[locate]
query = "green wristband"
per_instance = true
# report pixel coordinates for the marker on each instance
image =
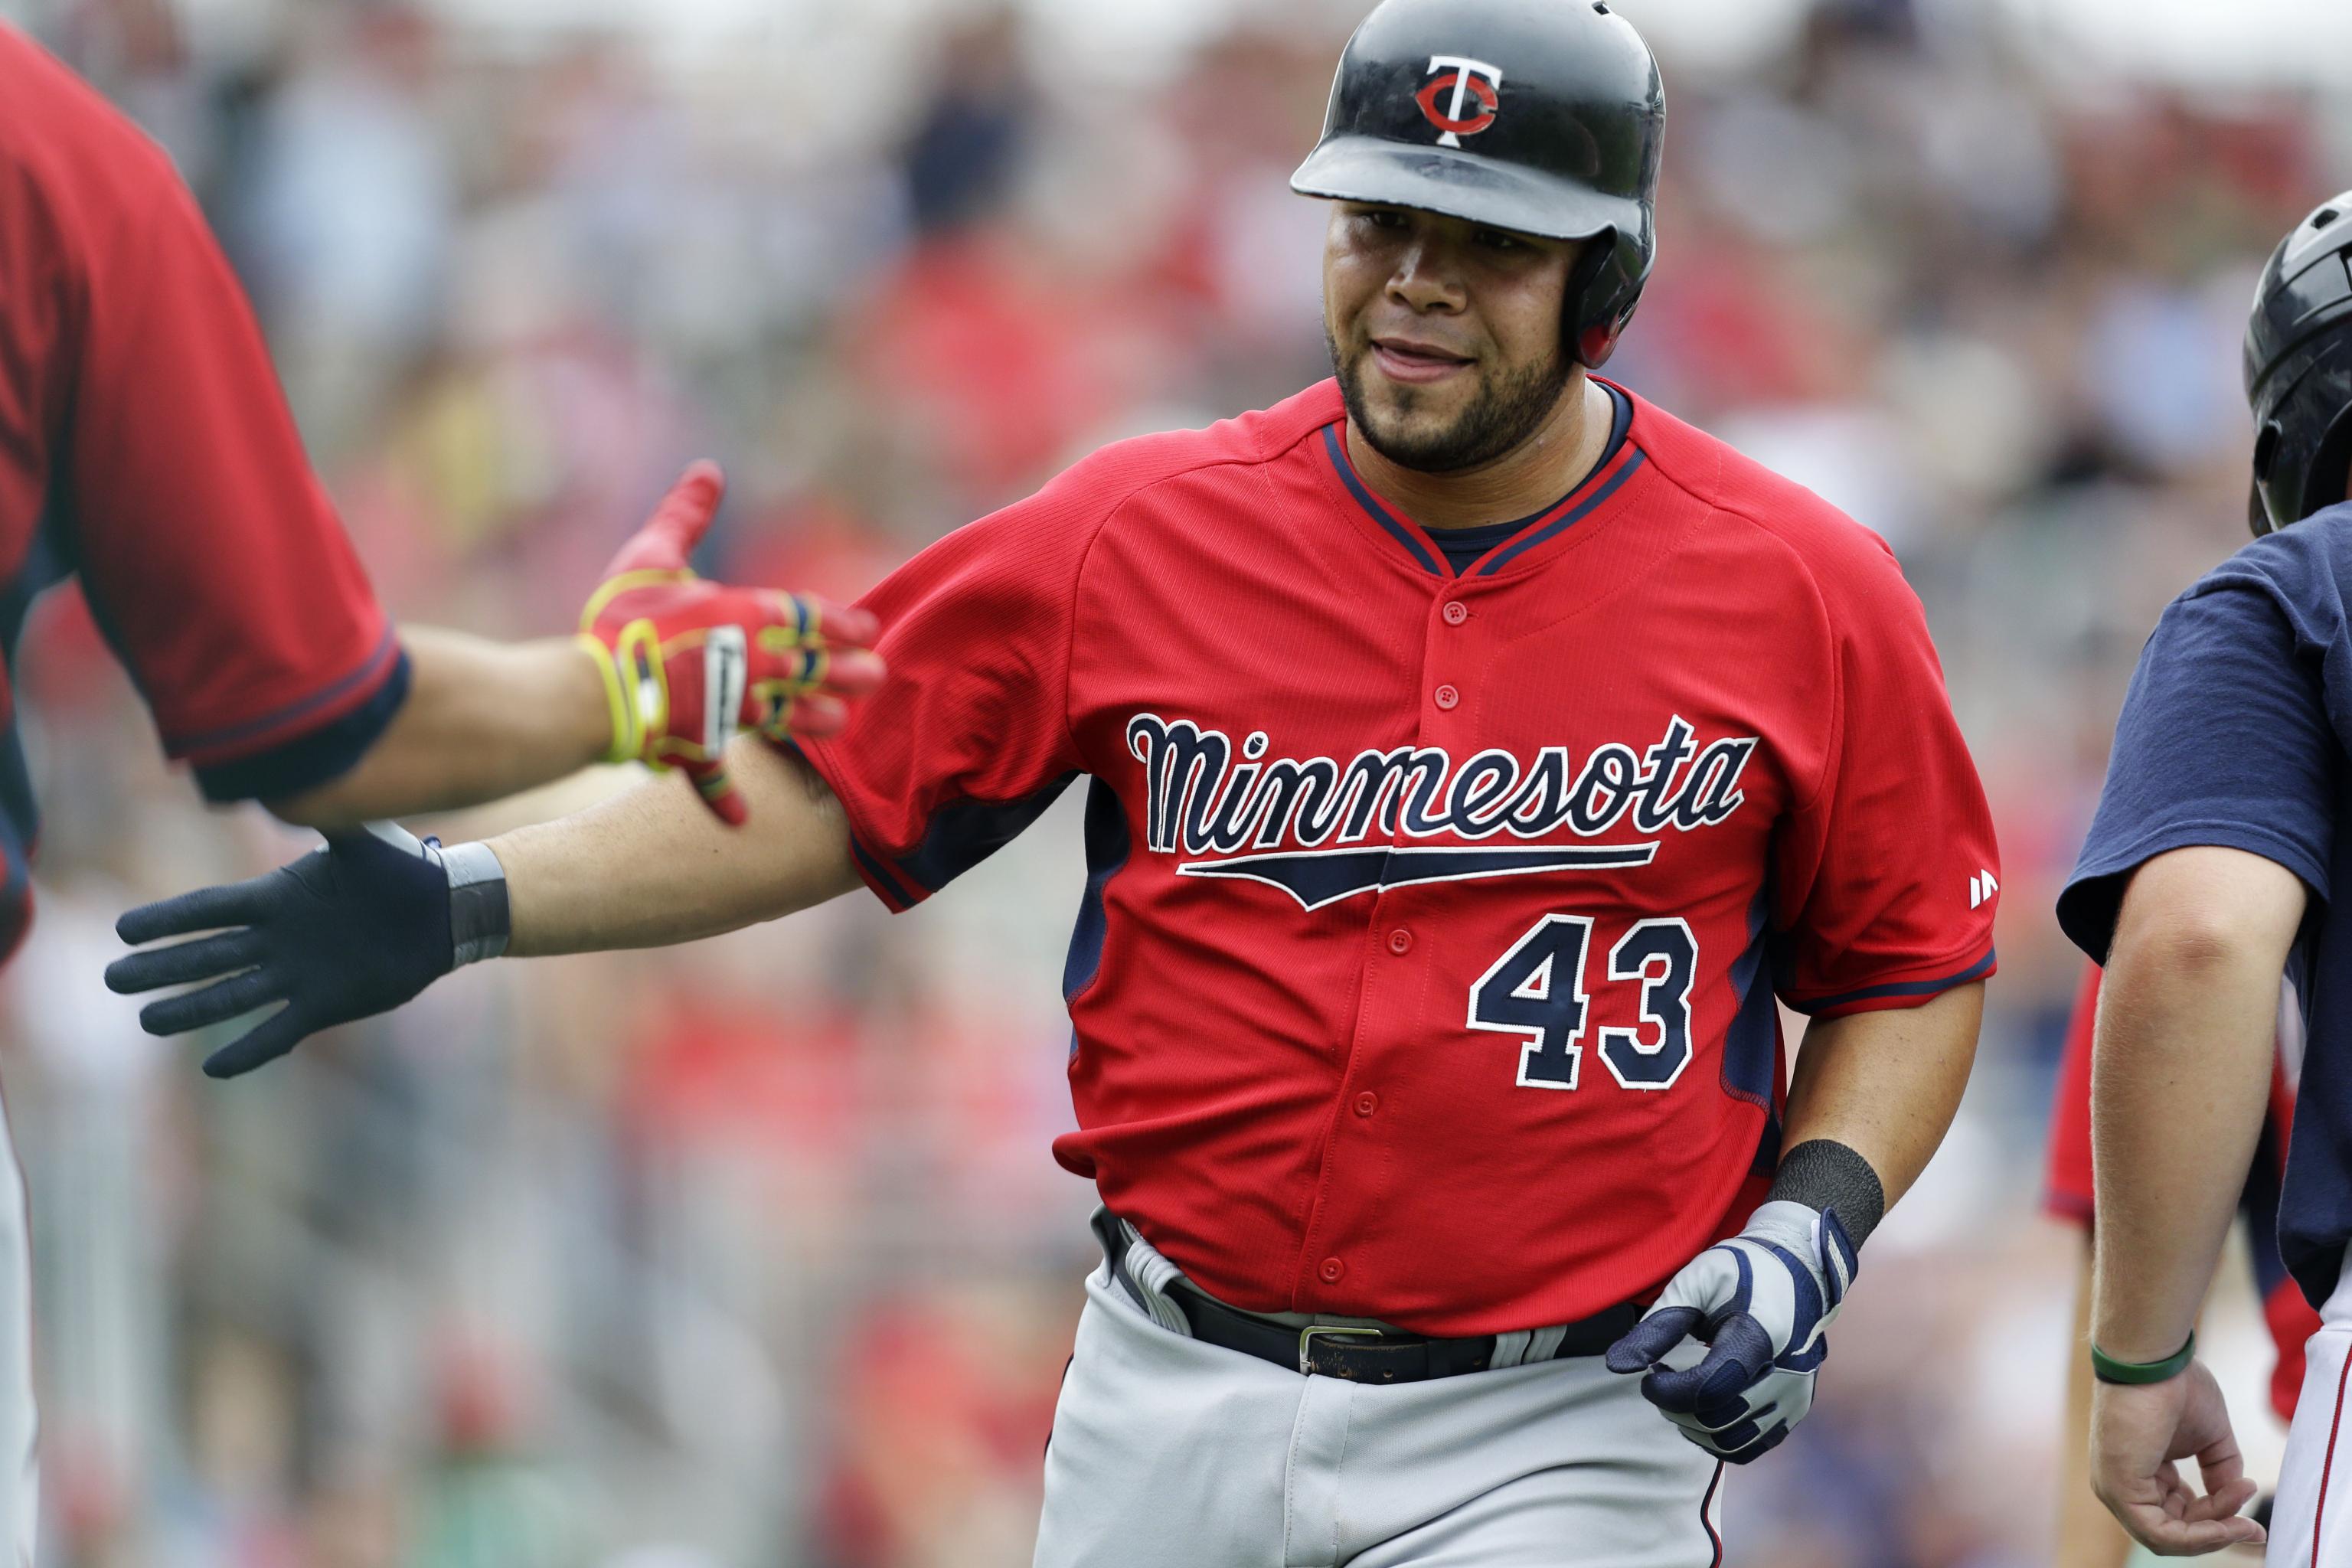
(2107, 1369)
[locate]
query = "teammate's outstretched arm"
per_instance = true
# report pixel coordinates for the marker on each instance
(666, 666)
(213, 559)
(366, 923)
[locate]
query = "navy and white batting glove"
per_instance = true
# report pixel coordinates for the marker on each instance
(1762, 1303)
(348, 930)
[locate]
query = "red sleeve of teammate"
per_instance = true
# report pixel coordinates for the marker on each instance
(1886, 875)
(212, 558)
(2068, 1193)
(969, 740)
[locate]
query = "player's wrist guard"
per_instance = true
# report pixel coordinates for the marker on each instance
(1826, 1175)
(352, 930)
(689, 663)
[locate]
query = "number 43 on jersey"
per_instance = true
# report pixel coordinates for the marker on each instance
(1537, 991)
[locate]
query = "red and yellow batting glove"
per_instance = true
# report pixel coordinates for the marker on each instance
(687, 662)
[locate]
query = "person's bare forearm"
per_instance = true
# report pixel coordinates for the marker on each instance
(482, 720)
(1886, 1084)
(2180, 1077)
(651, 867)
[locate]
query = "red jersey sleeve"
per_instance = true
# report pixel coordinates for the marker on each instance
(2068, 1191)
(180, 490)
(1886, 875)
(969, 738)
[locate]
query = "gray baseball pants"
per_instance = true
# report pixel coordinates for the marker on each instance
(1171, 1453)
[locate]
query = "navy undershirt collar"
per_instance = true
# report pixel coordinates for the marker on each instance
(1463, 546)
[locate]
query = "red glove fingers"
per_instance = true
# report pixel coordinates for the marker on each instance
(667, 540)
(689, 663)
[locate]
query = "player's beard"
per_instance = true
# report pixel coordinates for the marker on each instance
(1509, 408)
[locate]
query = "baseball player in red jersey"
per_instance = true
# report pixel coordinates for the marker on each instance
(1473, 751)
(145, 448)
(2088, 1535)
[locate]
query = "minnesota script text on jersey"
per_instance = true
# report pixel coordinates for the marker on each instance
(1425, 965)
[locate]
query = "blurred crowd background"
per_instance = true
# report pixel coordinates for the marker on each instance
(753, 1254)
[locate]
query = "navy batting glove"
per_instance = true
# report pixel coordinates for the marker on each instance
(1762, 1303)
(349, 931)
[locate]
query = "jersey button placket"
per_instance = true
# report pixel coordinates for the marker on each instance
(1378, 998)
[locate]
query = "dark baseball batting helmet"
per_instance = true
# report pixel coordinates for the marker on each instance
(1543, 117)
(2299, 370)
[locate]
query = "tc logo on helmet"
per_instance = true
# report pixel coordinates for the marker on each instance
(1462, 81)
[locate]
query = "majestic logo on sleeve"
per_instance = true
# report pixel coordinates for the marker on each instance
(1470, 92)
(1302, 823)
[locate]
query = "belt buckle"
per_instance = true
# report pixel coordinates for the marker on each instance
(1331, 1330)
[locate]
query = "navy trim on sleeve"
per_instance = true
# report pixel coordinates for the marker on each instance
(1923, 989)
(896, 896)
(370, 669)
(962, 834)
(317, 757)
(965, 833)
(882, 878)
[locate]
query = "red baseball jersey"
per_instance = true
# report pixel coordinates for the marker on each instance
(1424, 968)
(145, 446)
(2290, 1320)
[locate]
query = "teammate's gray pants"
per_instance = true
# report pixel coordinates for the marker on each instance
(1170, 1453)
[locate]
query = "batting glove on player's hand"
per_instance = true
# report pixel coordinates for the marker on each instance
(355, 929)
(686, 662)
(1762, 1302)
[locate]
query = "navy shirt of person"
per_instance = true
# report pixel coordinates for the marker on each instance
(2234, 733)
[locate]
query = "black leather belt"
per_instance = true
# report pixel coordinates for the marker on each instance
(1358, 1354)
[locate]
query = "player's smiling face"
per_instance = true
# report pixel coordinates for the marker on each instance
(1446, 334)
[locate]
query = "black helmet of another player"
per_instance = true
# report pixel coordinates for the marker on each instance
(1544, 117)
(2299, 370)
